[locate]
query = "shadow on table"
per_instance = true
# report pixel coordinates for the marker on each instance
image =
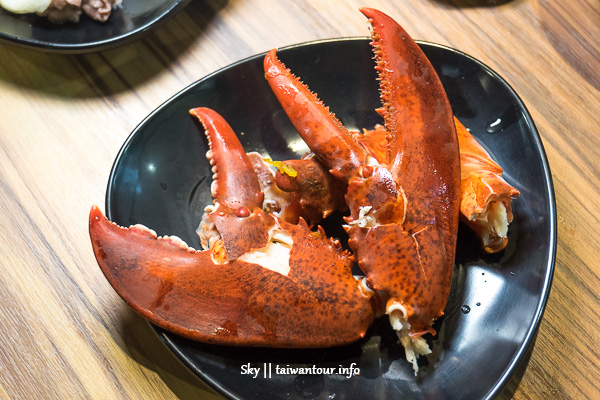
(512, 385)
(145, 347)
(113, 71)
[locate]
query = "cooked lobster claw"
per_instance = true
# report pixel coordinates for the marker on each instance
(261, 282)
(403, 212)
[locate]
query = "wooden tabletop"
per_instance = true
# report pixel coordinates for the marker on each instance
(63, 118)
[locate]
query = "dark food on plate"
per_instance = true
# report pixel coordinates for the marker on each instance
(61, 11)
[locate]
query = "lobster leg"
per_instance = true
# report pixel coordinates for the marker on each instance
(293, 289)
(486, 198)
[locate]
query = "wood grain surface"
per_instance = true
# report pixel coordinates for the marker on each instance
(65, 334)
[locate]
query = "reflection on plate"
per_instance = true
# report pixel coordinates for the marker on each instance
(162, 179)
(126, 23)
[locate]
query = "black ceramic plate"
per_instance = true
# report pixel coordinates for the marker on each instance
(127, 22)
(162, 179)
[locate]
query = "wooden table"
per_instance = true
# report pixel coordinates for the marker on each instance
(64, 331)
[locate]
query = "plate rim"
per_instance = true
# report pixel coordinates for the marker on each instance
(99, 45)
(530, 336)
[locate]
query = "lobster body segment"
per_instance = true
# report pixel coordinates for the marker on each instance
(486, 197)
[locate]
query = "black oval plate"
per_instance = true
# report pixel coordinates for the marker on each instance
(126, 23)
(162, 179)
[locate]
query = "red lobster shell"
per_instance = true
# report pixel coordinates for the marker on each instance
(404, 213)
(235, 292)
(265, 278)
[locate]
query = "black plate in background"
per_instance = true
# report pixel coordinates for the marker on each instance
(162, 179)
(126, 23)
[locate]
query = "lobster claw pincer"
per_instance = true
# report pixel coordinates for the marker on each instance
(260, 282)
(404, 206)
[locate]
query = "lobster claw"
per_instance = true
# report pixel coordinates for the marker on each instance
(271, 284)
(404, 204)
